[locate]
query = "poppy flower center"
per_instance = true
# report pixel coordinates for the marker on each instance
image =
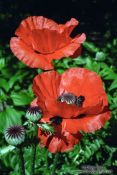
(56, 120)
(79, 100)
(70, 98)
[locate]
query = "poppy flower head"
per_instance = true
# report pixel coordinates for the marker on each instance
(76, 91)
(61, 140)
(70, 109)
(69, 98)
(40, 40)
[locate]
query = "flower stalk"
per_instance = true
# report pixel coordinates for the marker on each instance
(33, 159)
(21, 161)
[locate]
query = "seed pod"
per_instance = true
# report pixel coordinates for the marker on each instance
(34, 113)
(15, 135)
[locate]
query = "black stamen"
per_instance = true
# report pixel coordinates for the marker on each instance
(69, 98)
(56, 120)
(79, 100)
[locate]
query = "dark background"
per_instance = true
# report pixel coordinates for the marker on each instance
(94, 15)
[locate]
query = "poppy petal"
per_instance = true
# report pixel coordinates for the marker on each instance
(81, 81)
(48, 41)
(77, 52)
(58, 145)
(61, 141)
(78, 81)
(46, 88)
(88, 123)
(27, 55)
(41, 40)
(47, 83)
(70, 49)
(62, 109)
(35, 22)
(34, 102)
(69, 26)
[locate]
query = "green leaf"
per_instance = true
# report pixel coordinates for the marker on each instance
(6, 149)
(80, 61)
(9, 117)
(90, 47)
(107, 72)
(4, 84)
(46, 127)
(113, 85)
(60, 71)
(2, 63)
(3, 96)
(21, 98)
(17, 77)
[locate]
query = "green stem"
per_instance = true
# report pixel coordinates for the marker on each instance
(21, 161)
(55, 163)
(33, 157)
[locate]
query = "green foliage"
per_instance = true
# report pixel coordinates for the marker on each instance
(46, 128)
(21, 98)
(98, 148)
(9, 117)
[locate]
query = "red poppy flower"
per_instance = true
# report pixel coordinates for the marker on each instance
(62, 140)
(40, 40)
(72, 102)
(76, 85)
(67, 131)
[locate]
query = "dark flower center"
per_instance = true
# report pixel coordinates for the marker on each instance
(15, 131)
(56, 120)
(70, 98)
(79, 100)
(34, 110)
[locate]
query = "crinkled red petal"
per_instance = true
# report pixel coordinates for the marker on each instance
(49, 86)
(27, 55)
(41, 40)
(46, 88)
(61, 141)
(88, 123)
(81, 81)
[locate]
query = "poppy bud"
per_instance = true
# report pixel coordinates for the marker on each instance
(15, 135)
(34, 113)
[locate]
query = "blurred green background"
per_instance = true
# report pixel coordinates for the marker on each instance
(98, 20)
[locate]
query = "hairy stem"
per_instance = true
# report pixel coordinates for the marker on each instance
(21, 161)
(33, 157)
